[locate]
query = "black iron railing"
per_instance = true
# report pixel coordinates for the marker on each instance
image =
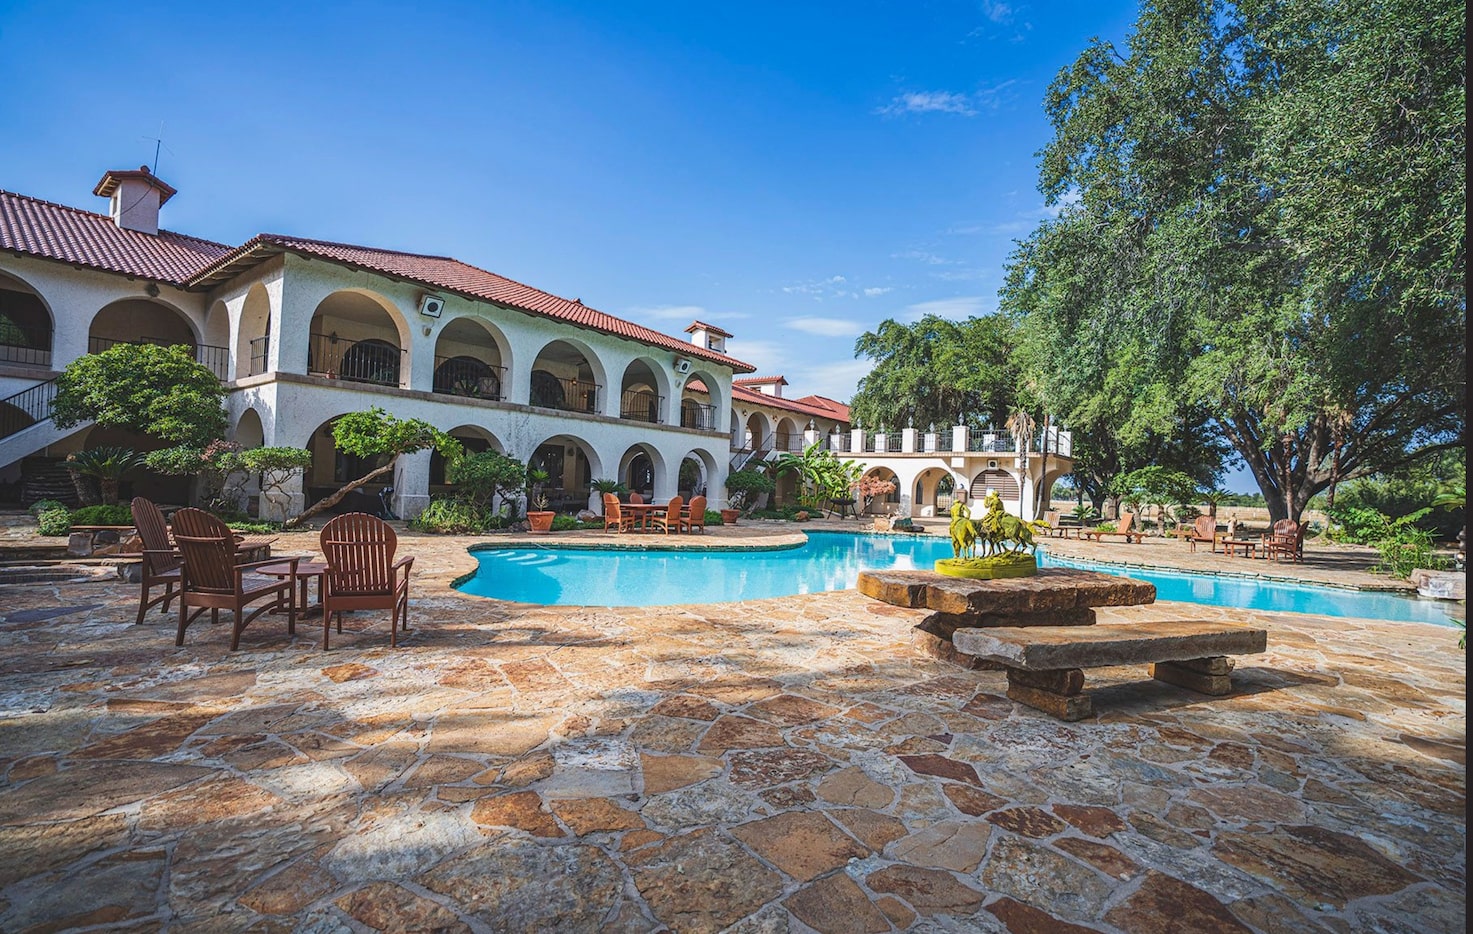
(992, 440)
(696, 415)
(640, 405)
(217, 359)
(568, 395)
(25, 345)
(894, 441)
(361, 361)
(467, 376)
(27, 407)
(260, 355)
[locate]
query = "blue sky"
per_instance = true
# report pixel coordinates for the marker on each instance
(794, 173)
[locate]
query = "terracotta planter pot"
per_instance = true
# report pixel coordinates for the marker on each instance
(730, 516)
(540, 521)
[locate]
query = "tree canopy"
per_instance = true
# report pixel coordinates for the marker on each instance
(161, 392)
(1262, 237)
(935, 371)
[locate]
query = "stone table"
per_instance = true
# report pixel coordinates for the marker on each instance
(1052, 597)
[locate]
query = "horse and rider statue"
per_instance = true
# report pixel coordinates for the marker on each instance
(997, 534)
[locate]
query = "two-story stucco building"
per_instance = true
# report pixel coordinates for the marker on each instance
(301, 331)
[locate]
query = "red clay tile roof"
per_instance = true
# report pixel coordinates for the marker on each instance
(761, 380)
(110, 179)
(801, 406)
(451, 275)
(84, 238)
(709, 328)
(840, 410)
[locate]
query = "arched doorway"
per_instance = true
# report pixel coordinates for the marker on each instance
(140, 321)
(935, 491)
(571, 466)
(883, 504)
(999, 480)
(331, 469)
(25, 324)
(640, 468)
(214, 349)
(643, 391)
(470, 360)
(357, 336)
(474, 439)
(565, 377)
(253, 343)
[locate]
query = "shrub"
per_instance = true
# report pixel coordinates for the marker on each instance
(446, 516)
(567, 524)
(54, 521)
(746, 486)
(480, 477)
(41, 505)
(1105, 527)
(713, 517)
(252, 527)
(103, 515)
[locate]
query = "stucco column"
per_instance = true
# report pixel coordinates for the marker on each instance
(856, 441)
(411, 484)
(716, 482)
(959, 438)
(667, 480)
(908, 441)
(421, 355)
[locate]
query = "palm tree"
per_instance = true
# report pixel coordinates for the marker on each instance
(106, 465)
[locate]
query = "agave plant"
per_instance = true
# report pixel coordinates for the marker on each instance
(107, 465)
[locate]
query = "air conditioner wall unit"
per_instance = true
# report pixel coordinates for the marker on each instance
(431, 305)
(682, 365)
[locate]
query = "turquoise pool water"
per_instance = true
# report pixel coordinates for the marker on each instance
(833, 560)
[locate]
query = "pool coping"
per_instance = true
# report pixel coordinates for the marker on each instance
(1391, 587)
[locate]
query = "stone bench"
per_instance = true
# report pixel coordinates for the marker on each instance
(1045, 665)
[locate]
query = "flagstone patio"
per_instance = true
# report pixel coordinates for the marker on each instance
(780, 765)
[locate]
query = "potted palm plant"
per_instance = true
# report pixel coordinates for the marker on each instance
(539, 517)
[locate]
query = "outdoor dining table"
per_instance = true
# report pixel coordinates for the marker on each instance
(641, 512)
(1243, 545)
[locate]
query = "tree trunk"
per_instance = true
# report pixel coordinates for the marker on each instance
(328, 502)
(109, 487)
(86, 493)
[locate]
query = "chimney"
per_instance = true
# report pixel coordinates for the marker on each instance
(134, 198)
(708, 336)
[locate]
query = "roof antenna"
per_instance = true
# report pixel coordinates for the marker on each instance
(158, 144)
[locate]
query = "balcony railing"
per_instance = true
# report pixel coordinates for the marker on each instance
(26, 408)
(992, 440)
(696, 415)
(27, 346)
(869, 442)
(841, 442)
(893, 441)
(363, 361)
(640, 405)
(260, 355)
(216, 359)
(568, 395)
(467, 376)
(788, 442)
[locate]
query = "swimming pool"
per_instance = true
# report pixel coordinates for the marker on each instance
(833, 560)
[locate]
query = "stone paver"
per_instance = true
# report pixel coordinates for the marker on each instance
(780, 765)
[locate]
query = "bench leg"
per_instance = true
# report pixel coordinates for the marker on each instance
(1203, 675)
(1058, 693)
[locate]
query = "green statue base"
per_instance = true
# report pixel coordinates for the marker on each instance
(986, 569)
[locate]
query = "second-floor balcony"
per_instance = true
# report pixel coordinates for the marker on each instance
(470, 377)
(640, 405)
(361, 361)
(568, 395)
(24, 346)
(217, 359)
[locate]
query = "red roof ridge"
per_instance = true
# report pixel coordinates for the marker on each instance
(290, 238)
(108, 217)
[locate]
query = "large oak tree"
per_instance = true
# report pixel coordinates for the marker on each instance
(1263, 235)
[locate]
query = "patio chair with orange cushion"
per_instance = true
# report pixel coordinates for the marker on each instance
(635, 499)
(614, 517)
(362, 573)
(161, 563)
(1204, 529)
(1285, 541)
(1125, 530)
(671, 518)
(694, 516)
(213, 578)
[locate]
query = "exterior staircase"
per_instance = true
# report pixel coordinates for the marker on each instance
(25, 422)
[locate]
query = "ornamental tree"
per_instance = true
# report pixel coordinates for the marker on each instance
(162, 392)
(483, 476)
(381, 438)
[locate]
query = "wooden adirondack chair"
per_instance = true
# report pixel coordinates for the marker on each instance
(1125, 530)
(1285, 541)
(362, 573)
(694, 516)
(671, 518)
(213, 578)
(1204, 529)
(614, 517)
(161, 563)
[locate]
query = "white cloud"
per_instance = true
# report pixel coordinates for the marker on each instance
(834, 380)
(1000, 13)
(826, 327)
(873, 291)
(920, 102)
(923, 256)
(956, 309)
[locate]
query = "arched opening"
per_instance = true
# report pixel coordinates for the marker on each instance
(884, 503)
(354, 336)
(638, 469)
(696, 471)
(249, 431)
(331, 469)
(697, 409)
(214, 350)
(161, 488)
(758, 435)
(474, 439)
(571, 464)
(787, 437)
(995, 478)
(469, 360)
(563, 377)
(935, 491)
(253, 341)
(25, 325)
(640, 393)
(140, 321)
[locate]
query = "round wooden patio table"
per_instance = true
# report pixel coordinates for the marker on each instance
(306, 571)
